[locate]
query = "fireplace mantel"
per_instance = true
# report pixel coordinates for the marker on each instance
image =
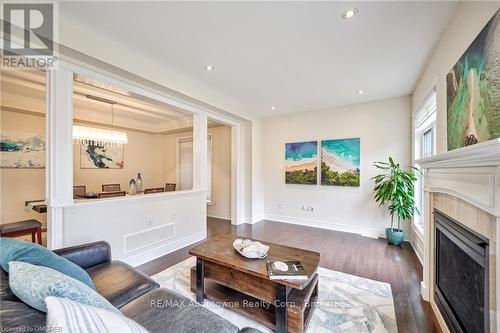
(482, 154)
(471, 173)
(465, 184)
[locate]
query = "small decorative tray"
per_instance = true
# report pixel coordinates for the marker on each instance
(250, 249)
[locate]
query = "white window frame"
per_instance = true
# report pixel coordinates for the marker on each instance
(421, 136)
(418, 152)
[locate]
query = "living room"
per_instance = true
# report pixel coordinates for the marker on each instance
(304, 166)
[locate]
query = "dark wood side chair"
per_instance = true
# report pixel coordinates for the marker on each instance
(22, 228)
(79, 191)
(154, 190)
(110, 194)
(170, 187)
(111, 188)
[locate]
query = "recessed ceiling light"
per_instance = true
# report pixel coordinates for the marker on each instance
(273, 108)
(361, 92)
(350, 13)
(209, 68)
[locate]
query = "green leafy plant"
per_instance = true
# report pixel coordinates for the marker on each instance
(396, 187)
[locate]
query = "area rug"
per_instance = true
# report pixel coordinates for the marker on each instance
(347, 303)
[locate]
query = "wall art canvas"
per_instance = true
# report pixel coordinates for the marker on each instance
(301, 163)
(473, 90)
(95, 156)
(340, 162)
(21, 150)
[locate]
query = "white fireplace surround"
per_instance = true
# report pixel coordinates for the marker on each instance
(472, 175)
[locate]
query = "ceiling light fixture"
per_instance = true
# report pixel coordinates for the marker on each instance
(209, 68)
(361, 92)
(350, 13)
(99, 136)
(273, 108)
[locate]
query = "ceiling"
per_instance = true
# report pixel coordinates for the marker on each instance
(24, 91)
(296, 56)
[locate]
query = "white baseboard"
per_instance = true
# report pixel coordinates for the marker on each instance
(257, 219)
(418, 252)
(219, 215)
(164, 249)
(363, 231)
(253, 219)
(424, 291)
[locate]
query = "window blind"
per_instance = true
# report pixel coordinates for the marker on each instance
(186, 165)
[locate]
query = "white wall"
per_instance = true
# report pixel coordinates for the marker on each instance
(221, 173)
(384, 129)
(114, 219)
(257, 171)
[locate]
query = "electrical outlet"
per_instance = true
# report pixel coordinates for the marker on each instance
(280, 205)
(173, 216)
(149, 220)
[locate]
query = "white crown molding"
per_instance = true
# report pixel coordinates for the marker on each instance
(20, 103)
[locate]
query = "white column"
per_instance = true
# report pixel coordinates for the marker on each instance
(59, 156)
(200, 153)
(427, 257)
(237, 179)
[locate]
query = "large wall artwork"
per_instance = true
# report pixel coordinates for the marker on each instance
(340, 162)
(301, 163)
(101, 157)
(22, 150)
(473, 90)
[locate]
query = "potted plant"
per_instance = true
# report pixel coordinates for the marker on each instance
(395, 187)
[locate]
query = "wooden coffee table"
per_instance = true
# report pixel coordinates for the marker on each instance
(224, 276)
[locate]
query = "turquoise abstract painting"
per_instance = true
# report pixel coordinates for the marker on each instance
(301, 163)
(473, 90)
(340, 161)
(20, 150)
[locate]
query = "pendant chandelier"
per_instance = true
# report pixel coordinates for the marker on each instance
(99, 136)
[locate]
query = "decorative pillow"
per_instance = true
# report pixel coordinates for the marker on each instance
(17, 250)
(32, 284)
(68, 316)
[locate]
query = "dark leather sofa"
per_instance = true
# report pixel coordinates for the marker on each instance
(134, 293)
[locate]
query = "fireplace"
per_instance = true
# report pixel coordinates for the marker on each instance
(461, 287)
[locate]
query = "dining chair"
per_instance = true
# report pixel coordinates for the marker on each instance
(170, 187)
(111, 188)
(110, 194)
(154, 190)
(79, 191)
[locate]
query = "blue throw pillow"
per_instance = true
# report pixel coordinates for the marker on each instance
(12, 249)
(32, 284)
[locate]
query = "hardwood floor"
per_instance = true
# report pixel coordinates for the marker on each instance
(344, 252)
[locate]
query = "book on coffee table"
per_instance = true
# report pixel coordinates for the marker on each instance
(286, 270)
